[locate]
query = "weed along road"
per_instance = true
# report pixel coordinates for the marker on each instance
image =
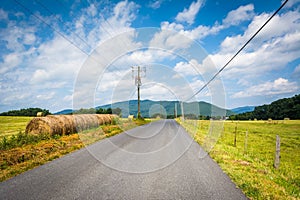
(155, 161)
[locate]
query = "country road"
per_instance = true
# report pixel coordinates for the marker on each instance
(155, 161)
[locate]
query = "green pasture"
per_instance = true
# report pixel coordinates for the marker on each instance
(250, 160)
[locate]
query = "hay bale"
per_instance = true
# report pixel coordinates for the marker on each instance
(66, 124)
(130, 117)
(39, 114)
(43, 125)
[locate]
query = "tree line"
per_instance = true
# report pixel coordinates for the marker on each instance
(278, 110)
(26, 112)
(32, 112)
(116, 111)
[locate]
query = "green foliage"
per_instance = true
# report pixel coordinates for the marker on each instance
(104, 111)
(97, 111)
(280, 109)
(26, 112)
(21, 139)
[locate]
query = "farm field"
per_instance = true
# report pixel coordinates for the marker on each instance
(21, 152)
(12, 125)
(250, 162)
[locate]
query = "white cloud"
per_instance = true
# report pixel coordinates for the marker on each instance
(192, 68)
(272, 50)
(278, 86)
(243, 13)
(168, 40)
(188, 15)
(291, 3)
(45, 96)
(3, 15)
(155, 4)
(10, 61)
(234, 18)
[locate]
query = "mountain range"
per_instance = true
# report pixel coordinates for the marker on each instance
(150, 108)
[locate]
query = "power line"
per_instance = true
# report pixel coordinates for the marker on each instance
(109, 33)
(58, 32)
(68, 26)
(253, 36)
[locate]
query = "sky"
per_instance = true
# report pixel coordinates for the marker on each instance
(63, 54)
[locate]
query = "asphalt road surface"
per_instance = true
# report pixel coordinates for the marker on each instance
(155, 161)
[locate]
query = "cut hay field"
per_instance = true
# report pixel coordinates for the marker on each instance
(20, 152)
(250, 162)
(12, 125)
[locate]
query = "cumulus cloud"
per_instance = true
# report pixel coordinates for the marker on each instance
(188, 15)
(239, 15)
(278, 86)
(271, 51)
(234, 18)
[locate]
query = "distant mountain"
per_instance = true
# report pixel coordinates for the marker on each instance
(167, 108)
(64, 112)
(243, 109)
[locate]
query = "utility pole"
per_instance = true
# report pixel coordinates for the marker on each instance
(175, 110)
(137, 73)
(182, 112)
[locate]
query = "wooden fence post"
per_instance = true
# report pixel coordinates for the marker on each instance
(246, 142)
(235, 135)
(277, 152)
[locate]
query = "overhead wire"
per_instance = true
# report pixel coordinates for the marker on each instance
(109, 34)
(49, 25)
(68, 26)
(238, 52)
(56, 30)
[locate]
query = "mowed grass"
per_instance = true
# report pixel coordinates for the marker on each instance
(22, 152)
(250, 163)
(12, 125)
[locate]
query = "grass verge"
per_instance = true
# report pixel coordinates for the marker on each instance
(249, 163)
(21, 152)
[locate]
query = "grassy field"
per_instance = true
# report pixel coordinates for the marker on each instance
(249, 163)
(20, 152)
(12, 125)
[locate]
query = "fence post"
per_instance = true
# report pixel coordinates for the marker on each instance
(235, 135)
(246, 142)
(277, 153)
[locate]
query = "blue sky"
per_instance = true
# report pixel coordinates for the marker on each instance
(63, 54)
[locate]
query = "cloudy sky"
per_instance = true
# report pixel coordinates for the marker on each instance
(62, 53)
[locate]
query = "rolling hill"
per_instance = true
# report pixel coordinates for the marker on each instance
(243, 109)
(167, 108)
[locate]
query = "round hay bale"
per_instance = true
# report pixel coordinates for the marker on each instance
(106, 119)
(100, 119)
(66, 124)
(63, 124)
(91, 121)
(80, 123)
(43, 125)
